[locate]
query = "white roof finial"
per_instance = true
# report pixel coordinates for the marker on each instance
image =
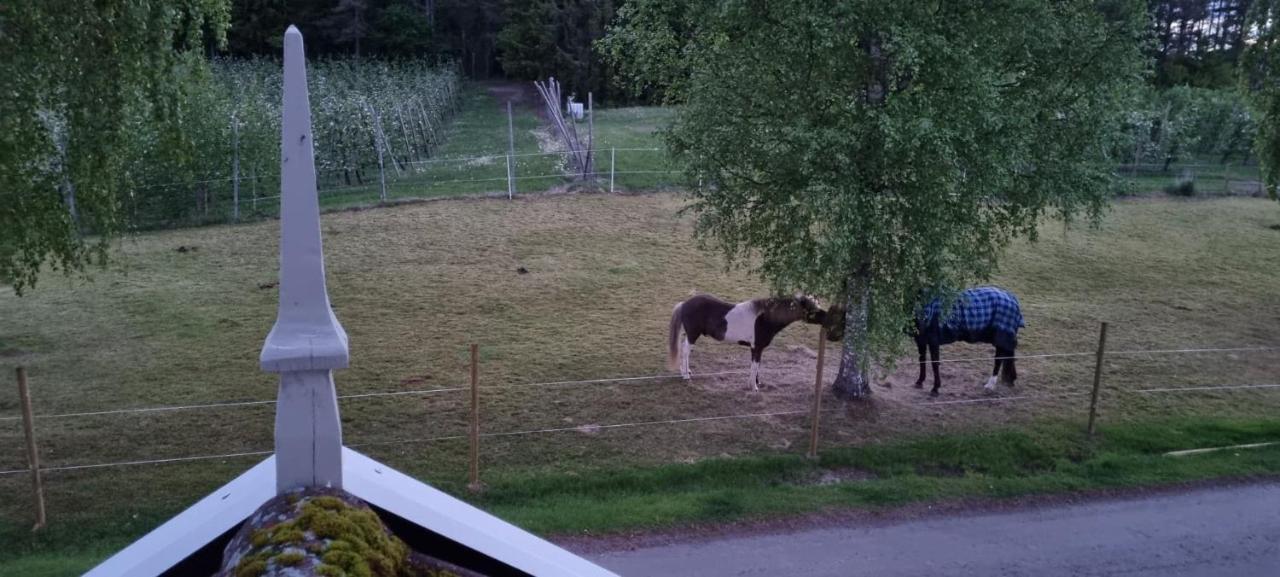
(306, 336)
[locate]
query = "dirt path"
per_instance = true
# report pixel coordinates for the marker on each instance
(524, 95)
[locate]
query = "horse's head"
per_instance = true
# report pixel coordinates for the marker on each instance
(833, 321)
(811, 310)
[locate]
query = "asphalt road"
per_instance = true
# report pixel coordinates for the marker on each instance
(1226, 532)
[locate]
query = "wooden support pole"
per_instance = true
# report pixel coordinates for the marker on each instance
(511, 152)
(1097, 380)
(589, 170)
(817, 394)
(474, 485)
(235, 168)
(378, 145)
(33, 456)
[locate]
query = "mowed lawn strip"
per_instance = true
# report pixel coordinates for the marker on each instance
(991, 466)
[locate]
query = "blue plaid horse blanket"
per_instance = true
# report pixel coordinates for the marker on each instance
(978, 315)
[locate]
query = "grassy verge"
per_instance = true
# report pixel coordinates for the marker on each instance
(629, 148)
(995, 465)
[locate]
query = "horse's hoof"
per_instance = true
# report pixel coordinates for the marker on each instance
(933, 393)
(920, 385)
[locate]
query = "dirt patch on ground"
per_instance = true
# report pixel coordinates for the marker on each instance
(520, 94)
(788, 374)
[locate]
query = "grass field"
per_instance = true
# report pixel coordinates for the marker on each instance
(473, 159)
(414, 284)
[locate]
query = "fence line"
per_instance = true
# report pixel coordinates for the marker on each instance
(365, 395)
(1173, 351)
(186, 214)
(613, 380)
(490, 156)
(143, 462)
(1211, 388)
(1110, 353)
(582, 428)
(590, 428)
(218, 405)
(593, 428)
(927, 404)
(225, 405)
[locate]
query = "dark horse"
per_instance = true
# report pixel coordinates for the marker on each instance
(978, 315)
(751, 323)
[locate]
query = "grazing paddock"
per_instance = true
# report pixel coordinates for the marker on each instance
(181, 316)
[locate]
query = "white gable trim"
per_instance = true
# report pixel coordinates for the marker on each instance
(188, 532)
(437, 511)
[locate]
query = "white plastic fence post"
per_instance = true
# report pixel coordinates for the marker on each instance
(613, 152)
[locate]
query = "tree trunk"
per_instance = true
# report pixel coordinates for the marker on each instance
(69, 198)
(852, 382)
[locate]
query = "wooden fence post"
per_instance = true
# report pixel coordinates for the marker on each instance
(474, 485)
(817, 394)
(1097, 380)
(33, 456)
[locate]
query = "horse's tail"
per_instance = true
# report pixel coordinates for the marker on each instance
(672, 334)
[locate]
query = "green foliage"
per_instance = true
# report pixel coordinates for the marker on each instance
(527, 42)
(1197, 42)
(74, 74)
(402, 29)
(1260, 79)
(842, 143)
(542, 38)
(646, 46)
(1174, 124)
(230, 113)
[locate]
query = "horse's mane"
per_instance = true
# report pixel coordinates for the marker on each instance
(784, 309)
